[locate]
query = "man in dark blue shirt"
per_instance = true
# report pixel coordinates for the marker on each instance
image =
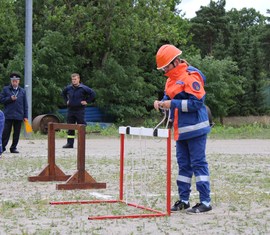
(76, 96)
(15, 109)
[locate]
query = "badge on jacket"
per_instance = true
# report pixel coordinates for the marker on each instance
(196, 86)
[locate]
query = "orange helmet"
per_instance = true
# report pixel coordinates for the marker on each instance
(166, 54)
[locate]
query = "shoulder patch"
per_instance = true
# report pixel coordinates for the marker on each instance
(196, 86)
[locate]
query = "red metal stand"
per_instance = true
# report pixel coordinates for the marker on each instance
(154, 213)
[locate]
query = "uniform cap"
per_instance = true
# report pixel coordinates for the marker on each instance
(15, 76)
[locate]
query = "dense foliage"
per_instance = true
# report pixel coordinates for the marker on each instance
(112, 44)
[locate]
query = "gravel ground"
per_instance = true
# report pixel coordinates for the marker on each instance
(240, 182)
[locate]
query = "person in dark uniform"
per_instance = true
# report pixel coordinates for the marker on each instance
(76, 96)
(15, 109)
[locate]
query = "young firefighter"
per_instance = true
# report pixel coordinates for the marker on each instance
(185, 95)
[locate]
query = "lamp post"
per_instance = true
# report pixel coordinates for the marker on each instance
(28, 55)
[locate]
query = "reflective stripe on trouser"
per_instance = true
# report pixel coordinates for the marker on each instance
(191, 160)
(74, 116)
(70, 138)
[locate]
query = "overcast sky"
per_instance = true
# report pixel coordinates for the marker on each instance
(191, 6)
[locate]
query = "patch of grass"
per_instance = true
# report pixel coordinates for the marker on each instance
(251, 131)
(240, 179)
(109, 131)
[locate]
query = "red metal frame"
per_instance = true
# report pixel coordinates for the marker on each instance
(155, 213)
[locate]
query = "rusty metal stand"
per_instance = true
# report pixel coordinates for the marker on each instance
(81, 179)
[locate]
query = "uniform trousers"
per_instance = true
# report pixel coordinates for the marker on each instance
(16, 124)
(191, 160)
(73, 117)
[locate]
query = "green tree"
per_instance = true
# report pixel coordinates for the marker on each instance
(246, 27)
(54, 63)
(265, 44)
(9, 37)
(111, 43)
(209, 26)
(222, 83)
(131, 35)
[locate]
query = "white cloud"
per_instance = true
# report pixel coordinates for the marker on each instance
(191, 6)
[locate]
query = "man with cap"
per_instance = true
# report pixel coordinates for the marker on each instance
(15, 109)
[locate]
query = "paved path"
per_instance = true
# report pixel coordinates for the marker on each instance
(110, 146)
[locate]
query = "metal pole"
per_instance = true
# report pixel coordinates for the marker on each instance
(122, 153)
(28, 55)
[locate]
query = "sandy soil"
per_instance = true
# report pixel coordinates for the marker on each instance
(240, 191)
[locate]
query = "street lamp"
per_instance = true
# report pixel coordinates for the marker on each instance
(28, 55)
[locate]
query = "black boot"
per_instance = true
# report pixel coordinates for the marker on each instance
(14, 151)
(68, 146)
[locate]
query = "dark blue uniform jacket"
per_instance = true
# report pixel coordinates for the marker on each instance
(18, 109)
(74, 95)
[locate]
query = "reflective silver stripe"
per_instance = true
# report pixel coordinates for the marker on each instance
(202, 178)
(198, 126)
(184, 105)
(184, 179)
